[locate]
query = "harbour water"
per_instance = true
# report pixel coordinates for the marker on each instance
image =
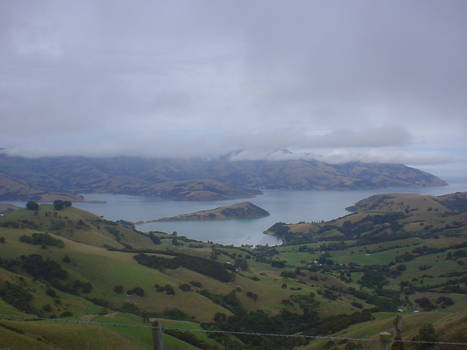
(283, 205)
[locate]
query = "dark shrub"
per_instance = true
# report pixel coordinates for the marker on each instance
(118, 289)
(31, 205)
(185, 287)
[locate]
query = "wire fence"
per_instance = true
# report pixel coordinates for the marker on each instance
(220, 331)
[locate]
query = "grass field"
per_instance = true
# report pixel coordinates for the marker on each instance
(398, 254)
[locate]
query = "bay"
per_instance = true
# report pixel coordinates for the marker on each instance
(283, 205)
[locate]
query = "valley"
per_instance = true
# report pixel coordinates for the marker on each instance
(394, 252)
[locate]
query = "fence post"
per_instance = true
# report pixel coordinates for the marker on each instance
(397, 344)
(385, 339)
(157, 336)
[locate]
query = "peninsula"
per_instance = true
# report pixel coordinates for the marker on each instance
(243, 210)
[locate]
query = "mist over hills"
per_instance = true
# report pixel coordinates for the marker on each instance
(194, 179)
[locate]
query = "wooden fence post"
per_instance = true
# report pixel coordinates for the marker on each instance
(385, 339)
(157, 340)
(397, 344)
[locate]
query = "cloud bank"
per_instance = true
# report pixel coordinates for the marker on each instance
(359, 80)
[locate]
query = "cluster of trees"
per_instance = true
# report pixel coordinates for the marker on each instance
(427, 305)
(43, 269)
(81, 287)
(42, 239)
(206, 267)
(167, 289)
(185, 287)
(229, 301)
(57, 204)
(47, 270)
(136, 291)
(17, 296)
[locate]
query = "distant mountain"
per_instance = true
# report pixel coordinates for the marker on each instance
(194, 179)
(244, 210)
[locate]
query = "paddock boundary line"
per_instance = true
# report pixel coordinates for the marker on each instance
(250, 333)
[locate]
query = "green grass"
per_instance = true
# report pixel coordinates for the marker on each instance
(105, 269)
(42, 334)
(133, 327)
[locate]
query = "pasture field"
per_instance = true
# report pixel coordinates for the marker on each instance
(345, 277)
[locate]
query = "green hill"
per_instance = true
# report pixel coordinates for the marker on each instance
(244, 210)
(347, 276)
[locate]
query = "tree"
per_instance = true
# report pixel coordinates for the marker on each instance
(59, 204)
(31, 205)
(426, 333)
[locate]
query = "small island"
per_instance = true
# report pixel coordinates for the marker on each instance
(243, 210)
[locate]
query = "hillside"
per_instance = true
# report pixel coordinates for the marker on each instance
(5, 208)
(347, 276)
(200, 190)
(385, 216)
(193, 179)
(244, 210)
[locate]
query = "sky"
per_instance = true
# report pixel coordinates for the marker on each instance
(333, 80)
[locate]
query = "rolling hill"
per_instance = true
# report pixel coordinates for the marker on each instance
(345, 277)
(243, 210)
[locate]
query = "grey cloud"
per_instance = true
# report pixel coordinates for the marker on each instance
(188, 78)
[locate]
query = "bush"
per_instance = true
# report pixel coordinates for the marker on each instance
(185, 287)
(42, 239)
(196, 284)
(252, 295)
(444, 301)
(155, 240)
(425, 304)
(426, 333)
(59, 204)
(175, 314)
(137, 290)
(288, 274)
(17, 296)
(51, 292)
(204, 266)
(31, 205)
(167, 289)
(118, 289)
(83, 287)
(130, 308)
(357, 305)
(39, 268)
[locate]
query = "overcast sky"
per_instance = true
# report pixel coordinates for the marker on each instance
(337, 80)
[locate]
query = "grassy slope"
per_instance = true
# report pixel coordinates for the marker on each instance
(265, 281)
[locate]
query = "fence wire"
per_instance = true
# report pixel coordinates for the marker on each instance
(220, 331)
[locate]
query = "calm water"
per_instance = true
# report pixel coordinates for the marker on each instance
(285, 206)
